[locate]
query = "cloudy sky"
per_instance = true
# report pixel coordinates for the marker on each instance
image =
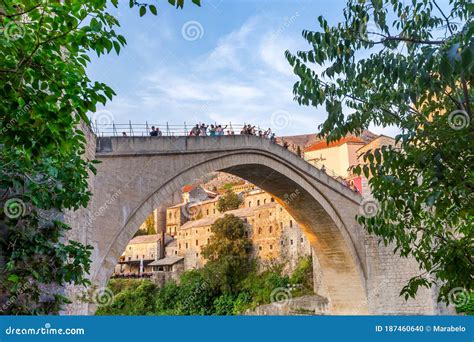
(221, 62)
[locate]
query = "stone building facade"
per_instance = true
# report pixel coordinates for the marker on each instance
(274, 233)
(140, 252)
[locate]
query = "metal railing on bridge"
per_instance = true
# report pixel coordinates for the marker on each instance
(142, 130)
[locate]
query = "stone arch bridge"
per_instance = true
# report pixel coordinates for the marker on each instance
(139, 174)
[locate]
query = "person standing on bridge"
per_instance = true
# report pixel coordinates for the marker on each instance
(194, 131)
(220, 130)
(203, 130)
(212, 131)
(158, 132)
(153, 132)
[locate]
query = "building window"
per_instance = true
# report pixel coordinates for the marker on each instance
(246, 233)
(281, 209)
(301, 240)
(272, 199)
(207, 212)
(197, 255)
(179, 246)
(291, 223)
(196, 231)
(264, 200)
(169, 215)
(260, 230)
(271, 247)
(129, 258)
(291, 242)
(175, 214)
(152, 255)
(282, 243)
(197, 242)
(259, 215)
(281, 225)
(175, 252)
(214, 211)
(207, 240)
(130, 248)
(270, 229)
(258, 202)
(250, 203)
(187, 244)
(259, 248)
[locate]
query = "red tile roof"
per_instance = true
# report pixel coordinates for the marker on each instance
(188, 188)
(322, 144)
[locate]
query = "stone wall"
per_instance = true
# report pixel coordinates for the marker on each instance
(81, 221)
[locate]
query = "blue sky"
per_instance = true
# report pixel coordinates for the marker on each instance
(221, 62)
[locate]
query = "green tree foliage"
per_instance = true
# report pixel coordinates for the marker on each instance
(199, 292)
(133, 298)
(150, 225)
(44, 95)
(229, 201)
(408, 65)
(228, 252)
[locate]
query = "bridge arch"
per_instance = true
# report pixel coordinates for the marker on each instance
(149, 172)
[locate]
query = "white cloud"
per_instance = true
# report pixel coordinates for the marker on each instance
(244, 78)
(227, 53)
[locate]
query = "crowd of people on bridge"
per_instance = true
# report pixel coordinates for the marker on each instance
(215, 130)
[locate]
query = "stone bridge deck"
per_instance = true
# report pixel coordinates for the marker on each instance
(149, 146)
